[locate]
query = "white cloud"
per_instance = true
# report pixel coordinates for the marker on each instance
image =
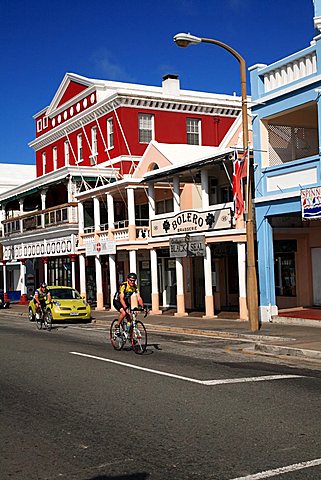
(106, 67)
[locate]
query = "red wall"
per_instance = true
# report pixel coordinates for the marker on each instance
(170, 127)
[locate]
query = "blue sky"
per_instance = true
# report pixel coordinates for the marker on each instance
(131, 41)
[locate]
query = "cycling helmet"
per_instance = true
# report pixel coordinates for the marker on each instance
(43, 285)
(132, 276)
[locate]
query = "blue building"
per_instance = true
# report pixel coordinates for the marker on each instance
(286, 108)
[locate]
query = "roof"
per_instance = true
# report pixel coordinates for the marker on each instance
(13, 174)
(184, 157)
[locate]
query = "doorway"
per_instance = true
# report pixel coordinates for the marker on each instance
(316, 275)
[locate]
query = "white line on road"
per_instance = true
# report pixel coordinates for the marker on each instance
(187, 379)
(281, 470)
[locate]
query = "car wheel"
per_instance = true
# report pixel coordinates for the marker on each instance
(31, 315)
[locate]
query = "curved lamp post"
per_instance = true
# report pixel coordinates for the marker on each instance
(183, 40)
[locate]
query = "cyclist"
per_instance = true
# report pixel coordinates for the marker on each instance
(123, 297)
(41, 295)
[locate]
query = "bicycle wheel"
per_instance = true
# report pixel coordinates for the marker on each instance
(39, 320)
(116, 341)
(138, 337)
(31, 316)
(47, 320)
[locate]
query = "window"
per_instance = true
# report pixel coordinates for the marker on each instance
(193, 131)
(164, 206)
(39, 125)
(54, 158)
(145, 128)
(212, 190)
(79, 148)
(110, 133)
(44, 163)
(94, 152)
(66, 152)
(45, 122)
(226, 194)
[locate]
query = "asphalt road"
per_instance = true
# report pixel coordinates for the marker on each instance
(73, 408)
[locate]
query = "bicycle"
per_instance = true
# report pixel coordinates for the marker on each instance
(43, 319)
(131, 330)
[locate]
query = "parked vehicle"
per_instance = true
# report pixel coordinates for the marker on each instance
(4, 303)
(66, 304)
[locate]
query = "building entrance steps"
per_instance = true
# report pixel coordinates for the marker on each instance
(281, 338)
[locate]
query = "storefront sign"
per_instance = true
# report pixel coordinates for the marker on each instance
(187, 246)
(311, 203)
(106, 247)
(189, 221)
(45, 248)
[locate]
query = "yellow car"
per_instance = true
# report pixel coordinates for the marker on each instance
(66, 304)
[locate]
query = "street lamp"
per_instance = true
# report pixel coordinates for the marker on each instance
(183, 40)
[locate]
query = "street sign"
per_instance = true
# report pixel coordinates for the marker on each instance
(187, 246)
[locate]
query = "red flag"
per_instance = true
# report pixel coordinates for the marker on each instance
(239, 172)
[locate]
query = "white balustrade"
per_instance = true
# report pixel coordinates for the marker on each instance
(290, 72)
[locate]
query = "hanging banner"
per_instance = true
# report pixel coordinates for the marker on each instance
(105, 247)
(311, 203)
(189, 221)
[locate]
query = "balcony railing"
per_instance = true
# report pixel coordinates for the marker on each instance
(289, 70)
(64, 214)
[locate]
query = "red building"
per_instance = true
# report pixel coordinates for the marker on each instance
(92, 122)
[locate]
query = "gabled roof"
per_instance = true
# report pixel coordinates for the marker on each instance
(71, 86)
(166, 158)
(178, 157)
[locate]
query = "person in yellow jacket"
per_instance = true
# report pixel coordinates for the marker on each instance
(122, 298)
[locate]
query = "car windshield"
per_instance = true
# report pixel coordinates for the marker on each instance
(64, 293)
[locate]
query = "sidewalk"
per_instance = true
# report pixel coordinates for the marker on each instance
(291, 337)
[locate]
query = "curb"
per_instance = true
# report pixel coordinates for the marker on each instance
(288, 351)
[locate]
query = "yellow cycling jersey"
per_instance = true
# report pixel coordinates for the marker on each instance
(127, 290)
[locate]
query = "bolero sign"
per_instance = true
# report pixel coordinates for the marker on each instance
(189, 221)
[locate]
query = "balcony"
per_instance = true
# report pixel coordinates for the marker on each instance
(290, 70)
(55, 216)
